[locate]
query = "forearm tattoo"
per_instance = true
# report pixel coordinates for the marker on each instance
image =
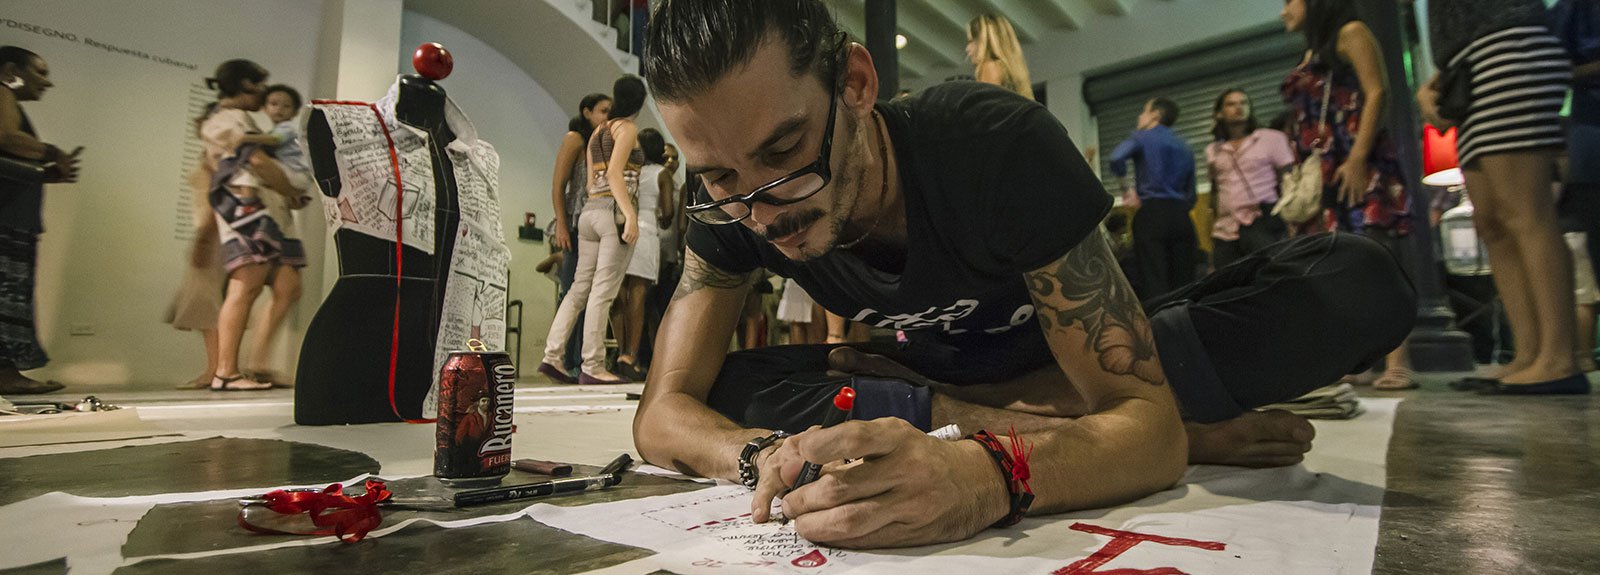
(1085, 293)
(698, 275)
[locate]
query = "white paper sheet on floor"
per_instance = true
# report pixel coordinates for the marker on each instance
(25, 430)
(1319, 517)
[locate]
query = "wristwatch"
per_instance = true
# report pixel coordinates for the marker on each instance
(748, 472)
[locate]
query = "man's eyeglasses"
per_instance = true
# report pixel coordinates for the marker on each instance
(795, 187)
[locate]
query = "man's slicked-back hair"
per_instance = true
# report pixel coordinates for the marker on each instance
(693, 43)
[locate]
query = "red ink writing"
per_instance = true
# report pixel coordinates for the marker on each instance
(812, 559)
(718, 522)
(1121, 541)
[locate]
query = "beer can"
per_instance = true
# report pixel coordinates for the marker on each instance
(473, 438)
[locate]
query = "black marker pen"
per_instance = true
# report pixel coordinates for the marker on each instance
(842, 403)
(610, 475)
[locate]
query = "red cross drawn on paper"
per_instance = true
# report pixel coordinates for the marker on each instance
(1122, 541)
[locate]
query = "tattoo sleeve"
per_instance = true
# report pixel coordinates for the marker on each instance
(1085, 294)
(698, 275)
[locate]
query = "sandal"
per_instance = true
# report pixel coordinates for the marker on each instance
(630, 371)
(237, 383)
(1395, 379)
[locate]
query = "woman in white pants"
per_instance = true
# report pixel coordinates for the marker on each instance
(607, 229)
(644, 268)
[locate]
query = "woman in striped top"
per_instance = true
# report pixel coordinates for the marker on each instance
(1508, 142)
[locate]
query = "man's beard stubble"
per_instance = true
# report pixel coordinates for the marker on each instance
(845, 189)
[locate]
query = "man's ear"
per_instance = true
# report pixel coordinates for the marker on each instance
(861, 80)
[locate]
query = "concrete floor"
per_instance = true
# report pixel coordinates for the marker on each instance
(1475, 484)
(1492, 485)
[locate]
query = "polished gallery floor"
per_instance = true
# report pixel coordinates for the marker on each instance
(1473, 484)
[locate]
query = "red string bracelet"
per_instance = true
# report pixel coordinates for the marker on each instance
(1013, 463)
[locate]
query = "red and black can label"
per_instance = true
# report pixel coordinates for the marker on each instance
(473, 441)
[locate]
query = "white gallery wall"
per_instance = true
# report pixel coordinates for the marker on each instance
(525, 125)
(128, 77)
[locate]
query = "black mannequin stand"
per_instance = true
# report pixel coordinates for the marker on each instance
(343, 375)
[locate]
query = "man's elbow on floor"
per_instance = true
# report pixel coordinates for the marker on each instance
(1172, 460)
(1162, 459)
(648, 438)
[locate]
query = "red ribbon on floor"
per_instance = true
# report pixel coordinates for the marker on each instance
(331, 511)
(399, 245)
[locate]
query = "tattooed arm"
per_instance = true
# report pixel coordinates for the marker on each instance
(1131, 443)
(673, 427)
(1128, 444)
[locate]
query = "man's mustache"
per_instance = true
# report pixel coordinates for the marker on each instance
(791, 223)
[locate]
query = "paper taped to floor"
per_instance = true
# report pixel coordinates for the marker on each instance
(1301, 519)
(26, 430)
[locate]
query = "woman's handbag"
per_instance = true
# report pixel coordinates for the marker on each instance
(1455, 92)
(1300, 191)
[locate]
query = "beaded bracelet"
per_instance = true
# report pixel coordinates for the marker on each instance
(1013, 465)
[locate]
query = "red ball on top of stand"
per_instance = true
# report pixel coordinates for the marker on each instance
(432, 61)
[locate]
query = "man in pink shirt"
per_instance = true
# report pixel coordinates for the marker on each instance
(1244, 162)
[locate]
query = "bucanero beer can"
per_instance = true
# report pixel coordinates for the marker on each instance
(473, 440)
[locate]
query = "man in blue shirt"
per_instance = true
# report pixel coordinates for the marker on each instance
(1163, 235)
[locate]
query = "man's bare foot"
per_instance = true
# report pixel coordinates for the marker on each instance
(851, 361)
(1256, 439)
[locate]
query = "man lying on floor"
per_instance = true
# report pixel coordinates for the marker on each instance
(964, 216)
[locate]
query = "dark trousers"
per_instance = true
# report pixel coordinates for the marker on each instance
(1579, 211)
(1266, 230)
(1164, 243)
(1286, 320)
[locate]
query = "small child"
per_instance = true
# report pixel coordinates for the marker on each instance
(282, 104)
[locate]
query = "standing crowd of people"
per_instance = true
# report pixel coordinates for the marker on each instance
(246, 186)
(621, 226)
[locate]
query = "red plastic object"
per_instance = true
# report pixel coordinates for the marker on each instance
(433, 61)
(1440, 165)
(845, 400)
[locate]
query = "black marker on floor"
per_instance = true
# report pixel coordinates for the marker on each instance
(842, 403)
(609, 475)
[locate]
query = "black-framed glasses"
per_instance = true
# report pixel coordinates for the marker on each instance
(795, 187)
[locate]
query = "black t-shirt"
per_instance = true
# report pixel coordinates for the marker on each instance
(993, 188)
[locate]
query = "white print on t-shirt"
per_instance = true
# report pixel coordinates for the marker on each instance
(941, 318)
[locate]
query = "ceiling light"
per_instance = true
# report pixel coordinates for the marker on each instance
(899, 41)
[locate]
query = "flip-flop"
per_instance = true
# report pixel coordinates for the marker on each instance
(1395, 379)
(237, 383)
